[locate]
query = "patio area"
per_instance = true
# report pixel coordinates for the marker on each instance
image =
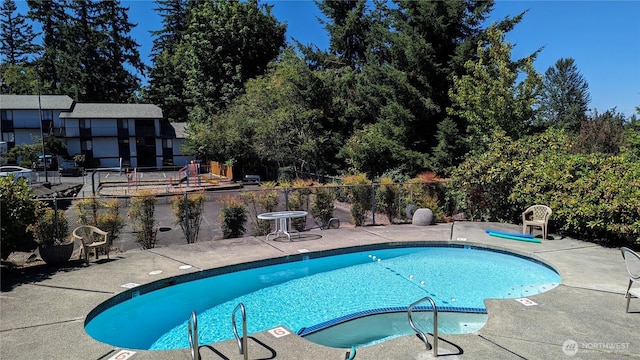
(43, 309)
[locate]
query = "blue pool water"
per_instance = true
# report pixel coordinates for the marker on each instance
(305, 293)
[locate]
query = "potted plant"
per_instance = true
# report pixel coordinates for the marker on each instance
(51, 232)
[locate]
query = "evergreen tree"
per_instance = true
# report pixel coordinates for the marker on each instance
(166, 81)
(53, 18)
(348, 27)
(80, 61)
(432, 42)
(94, 63)
(227, 43)
(86, 49)
(490, 98)
(16, 36)
(174, 14)
(451, 135)
(119, 49)
(564, 98)
(428, 42)
(451, 147)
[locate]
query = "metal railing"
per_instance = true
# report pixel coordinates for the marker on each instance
(420, 333)
(193, 336)
(242, 343)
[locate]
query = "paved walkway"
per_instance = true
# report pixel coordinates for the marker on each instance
(42, 310)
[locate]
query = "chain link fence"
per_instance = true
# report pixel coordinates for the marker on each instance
(375, 204)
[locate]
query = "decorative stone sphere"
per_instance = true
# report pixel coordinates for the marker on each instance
(422, 217)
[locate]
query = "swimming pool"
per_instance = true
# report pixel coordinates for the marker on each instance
(302, 291)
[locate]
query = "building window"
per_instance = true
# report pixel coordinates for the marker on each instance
(86, 145)
(167, 143)
(7, 120)
(123, 124)
(6, 115)
(47, 115)
(47, 126)
(8, 137)
(85, 128)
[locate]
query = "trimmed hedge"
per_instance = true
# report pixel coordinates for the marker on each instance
(594, 197)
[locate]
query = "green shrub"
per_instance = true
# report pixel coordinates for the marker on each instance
(110, 219)
(87, 210)
(480, 186)
(268, 200)
(359, 193)
(141, 213)
(104, 214)
(250, 199)
(263, 200)
(387, 198)
(18, 210)
(187, 210)
(424, 191)
(51, 227)
(593, 196)
(233, 216)
(322, 204)
(299, 201)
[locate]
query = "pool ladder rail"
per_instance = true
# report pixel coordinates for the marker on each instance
(421, 333)
(242, 343)
(193, 336)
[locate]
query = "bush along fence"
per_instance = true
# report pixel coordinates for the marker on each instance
(594, 197)
(145, 220)
(598, 202)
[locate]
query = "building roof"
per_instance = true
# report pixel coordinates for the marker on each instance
(30, 102)
(113, 111)
(173, 130)
(180, 129)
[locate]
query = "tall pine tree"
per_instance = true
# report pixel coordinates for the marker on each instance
(348, 26)
(87, 47)
(166, 81)
(431, 44)
(53, 19)
(16, 36)
(565, 97)
(226, 43)
(119, 49)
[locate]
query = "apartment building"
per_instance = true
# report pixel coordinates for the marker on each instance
(128, 135)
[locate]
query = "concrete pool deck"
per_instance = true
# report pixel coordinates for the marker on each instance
(42, 309)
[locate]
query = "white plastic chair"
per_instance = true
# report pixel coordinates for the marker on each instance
(91, 239)
(632, 260)
(537, 216)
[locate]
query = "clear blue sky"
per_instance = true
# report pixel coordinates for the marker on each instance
(602, 36)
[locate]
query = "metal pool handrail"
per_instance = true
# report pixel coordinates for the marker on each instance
(241, 344)
(420, 333)
(193, 336)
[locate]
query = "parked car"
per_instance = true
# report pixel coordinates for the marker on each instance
(49, 161)
(70, 168)
(18, 172)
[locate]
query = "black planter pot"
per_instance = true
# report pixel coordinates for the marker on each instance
(56, 255)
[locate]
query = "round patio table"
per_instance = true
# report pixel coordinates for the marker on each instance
(281, 220)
